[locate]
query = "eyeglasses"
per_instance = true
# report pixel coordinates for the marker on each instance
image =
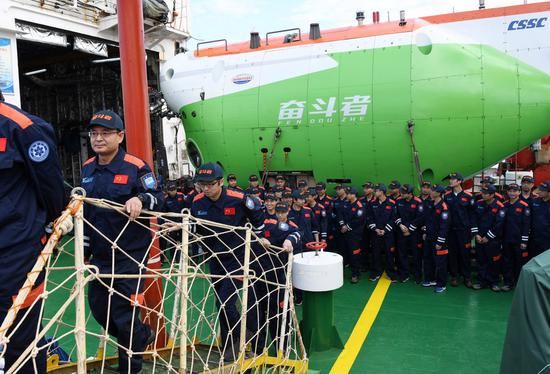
(103, 134)
(207, 185)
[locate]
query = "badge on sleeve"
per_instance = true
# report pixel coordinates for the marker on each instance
(323, 213)
(421, 208)
(39, 151)
(527, 211)
(149, 181)
(502, 213)
(250, 204)
(283, 226)
(359, 212)
(445, 215)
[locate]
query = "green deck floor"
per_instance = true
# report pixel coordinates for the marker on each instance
(418, 331)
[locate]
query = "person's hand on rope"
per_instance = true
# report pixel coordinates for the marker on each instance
(266, 243)
(133, 207)
(287, 246)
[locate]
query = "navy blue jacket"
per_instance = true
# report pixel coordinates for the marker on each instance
(31, 188)
(355, 218)
(488, 219)
(436, 218)
(540, 218)
(174, 204)
(232, 208)
(126, 176)
(382, 215)
(337, 216)
(517, 222)
(408, 211)
(302, 218)
(321, 220)
(461, 206)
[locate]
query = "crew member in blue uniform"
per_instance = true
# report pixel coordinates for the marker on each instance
(487, 222)
(283, 233)
(31, 196)
(394, 190)
(436, 219)
(301, 216)
(339, 203)
(409, 207)
(280, 186)
(118, 176)
(425, 190)
(352, 227)
(527, 184)
(540, 216)
(517, 225)
(319, 215)
(381, 221)
(174, 202)
(269, 205)
(232, 183)
(254, 182)
(488, 181)
(219, 204)
(460, 205)
(322, 197)
(366, 200)
(302, 187)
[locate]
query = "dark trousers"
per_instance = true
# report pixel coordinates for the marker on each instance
(353, 250)
(366, 253)
(435, 263)
(488, 258)
(22, 338)
(123, 318)
(339, 246)
(406, 245)
(418, 259)
(459, 244)
(537, 245)
(384, 246)
(513, 258)
(15, 263)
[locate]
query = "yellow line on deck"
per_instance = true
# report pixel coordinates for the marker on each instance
(347, 357)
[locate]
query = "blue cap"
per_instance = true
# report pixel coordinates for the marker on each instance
(352, 190)
(381, 187)
(270, 196)
(297, 195)
(407, 188)
(282, 206)
(107, 119)
(489, 180)
(513, 186)
(545, 186)
(395, 184)
(438, 188)
(489, 189)
(527, 179)
(321, 185)
(302, 183)
(312, 191)
(455, 175)
(208, 172)
(232, 177)
(253, 178)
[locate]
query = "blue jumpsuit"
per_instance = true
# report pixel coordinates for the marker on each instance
(235, 209)
(382, 216)
(124, 177)
(31, 196)
(407, 212)
(487, 221)
(540, 226)
(517, 224)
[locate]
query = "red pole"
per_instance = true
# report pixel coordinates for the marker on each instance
(134, 79)
(138, 132)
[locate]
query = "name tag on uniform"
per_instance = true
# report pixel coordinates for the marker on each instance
(3, 144)
(229, 211)
(121, 179)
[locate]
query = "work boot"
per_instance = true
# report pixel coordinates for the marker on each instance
(354, 279)
(428, 284)
(374, 278)
(468, 283)
(495, 288)
(440, 289)
(454, 282)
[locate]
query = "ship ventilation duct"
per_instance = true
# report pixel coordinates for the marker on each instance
(254, 40)
(360, 17)
(314, 31)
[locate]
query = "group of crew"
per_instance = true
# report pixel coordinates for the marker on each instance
(389, 230)
(433, 236)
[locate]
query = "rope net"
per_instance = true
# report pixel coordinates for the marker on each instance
(188, 302)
